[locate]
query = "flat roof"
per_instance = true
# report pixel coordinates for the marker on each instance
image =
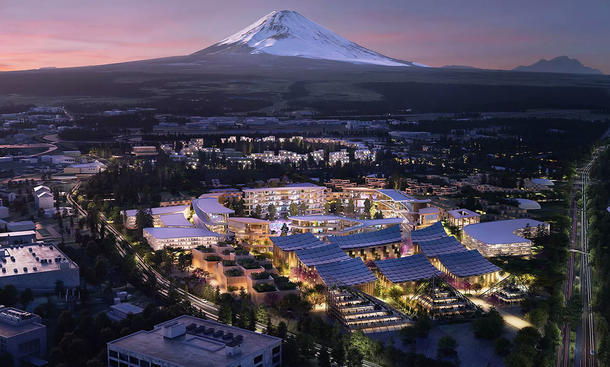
(45, 258)
(429, 210)
(542, 181)
(248, 220)
(14, 321)
(18, 233)
(467, 263)
(384, 236)
(211, 206)
(439, 246)
(528, 204)
(463, 213)
(160, 210)
(175, 220)
(348, 272)
(321, 255)
(500, 232)
(167, 233)
(204, 343)
(127, 308)
(320, 218)
(397, 195)
(305, 185)
(297, 241)
(433, 231)
(407, 269)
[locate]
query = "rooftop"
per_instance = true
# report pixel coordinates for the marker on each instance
(203, 343)
(211, 206)
(348, 272)
(429, 210)
(433, 231)
(14, 322)
(467, 263)
(463, 213)
(321, 255)
(167, 233)
(397, 195)
(439, 246)
(384, 236)
(305, 185)
(320, 218)
(35, 257)
(248, 220)
(175, 220)
(501, 231)
(528, 204)
(160, 210)
(542, 181)
(297, 242)
(407, 269)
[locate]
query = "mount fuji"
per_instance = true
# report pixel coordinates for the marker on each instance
(288, 33)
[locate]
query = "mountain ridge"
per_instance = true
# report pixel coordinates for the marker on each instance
(559, 64)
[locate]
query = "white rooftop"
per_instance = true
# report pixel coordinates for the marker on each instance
(211, 206)
(175, 220)
(167, 233)
(160, 210)
(43, 257)
(528, 204)
(463, 213)
(500, 232)
(542, 181)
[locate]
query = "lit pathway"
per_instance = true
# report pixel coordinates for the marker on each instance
(515, 321)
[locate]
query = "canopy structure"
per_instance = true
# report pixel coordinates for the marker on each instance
(407, 269)
(467, 263)
(440, 246)
(434, 231)
(321, 255)
(350, 272)
(297, 242)
(368, 239)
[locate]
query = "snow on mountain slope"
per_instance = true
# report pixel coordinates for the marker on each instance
(288, 33)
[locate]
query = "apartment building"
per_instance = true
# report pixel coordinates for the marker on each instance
(312, 196)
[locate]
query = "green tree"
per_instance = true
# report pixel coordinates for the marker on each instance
(293, 209)
(353, 358)
(258, 212)
(26, 297)
(282, 330)
(271, 212)
(144, 219)
(9, 295)
(446, 347)
(489, 326)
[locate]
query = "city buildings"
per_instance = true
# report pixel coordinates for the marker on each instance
(23, 336)
(144, 151)
(252, 232)
(341, 157)
(188, 341)
(311, 198)
(130, 215)
(17, 238)
(462, 217)
(85, 168)
(374, 245)
(504, 237)
(43, 197)
(210, 214)
(37, 266)
(184, 238)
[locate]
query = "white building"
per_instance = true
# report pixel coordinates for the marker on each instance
(503, 237)
(185, 238)
(85, 168)
(43, 197)
(23, 336)
(190, 341)
(312, 196)
(37, 266)
(210, 214)
(364, 155)
(341, 156)
(130, 215)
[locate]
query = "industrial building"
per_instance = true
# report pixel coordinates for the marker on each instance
(188, 341)
(23, 336)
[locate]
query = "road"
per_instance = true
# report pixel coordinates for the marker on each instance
(588, 358)
(563, 354)
(209, 309)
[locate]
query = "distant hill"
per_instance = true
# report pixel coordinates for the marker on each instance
(461, 67)
(560, 64)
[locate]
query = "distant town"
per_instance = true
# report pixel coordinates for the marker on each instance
(135, 238)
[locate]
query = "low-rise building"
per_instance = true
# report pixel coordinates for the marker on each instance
(312, 197)
(341, 157)
(23, 336)
(43, 197)
(130, 215)
(189, 341)
(504, 237)
(254, 233)
(210, 214)
(184, 238)
(17, 238)
(37, 266)
(85, 168)
(144, 151)
(462, 217)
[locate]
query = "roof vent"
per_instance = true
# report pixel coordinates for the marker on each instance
(174, 330)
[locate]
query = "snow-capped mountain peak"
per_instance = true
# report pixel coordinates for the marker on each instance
(288, 33)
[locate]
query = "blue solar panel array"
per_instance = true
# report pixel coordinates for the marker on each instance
(367, 239)
(407, 269)
(321, 255)
(349, 272)
(467, 263)
(439, 246)
(297, 242)
(431, 232)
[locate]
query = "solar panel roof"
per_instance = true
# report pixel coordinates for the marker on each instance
(439, 246)
(297, 242)
(467, 263)
(348, 272)
(366, 239)
(431, 232)
(321, 255)
(407, 269)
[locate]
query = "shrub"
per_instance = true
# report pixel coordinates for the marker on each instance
(205, 249)
(228, 263)
(234, 273)
(264, 287)
(259, 276)
(249, 263)
(213, 258)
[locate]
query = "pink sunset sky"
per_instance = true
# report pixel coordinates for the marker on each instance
(486, 34)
